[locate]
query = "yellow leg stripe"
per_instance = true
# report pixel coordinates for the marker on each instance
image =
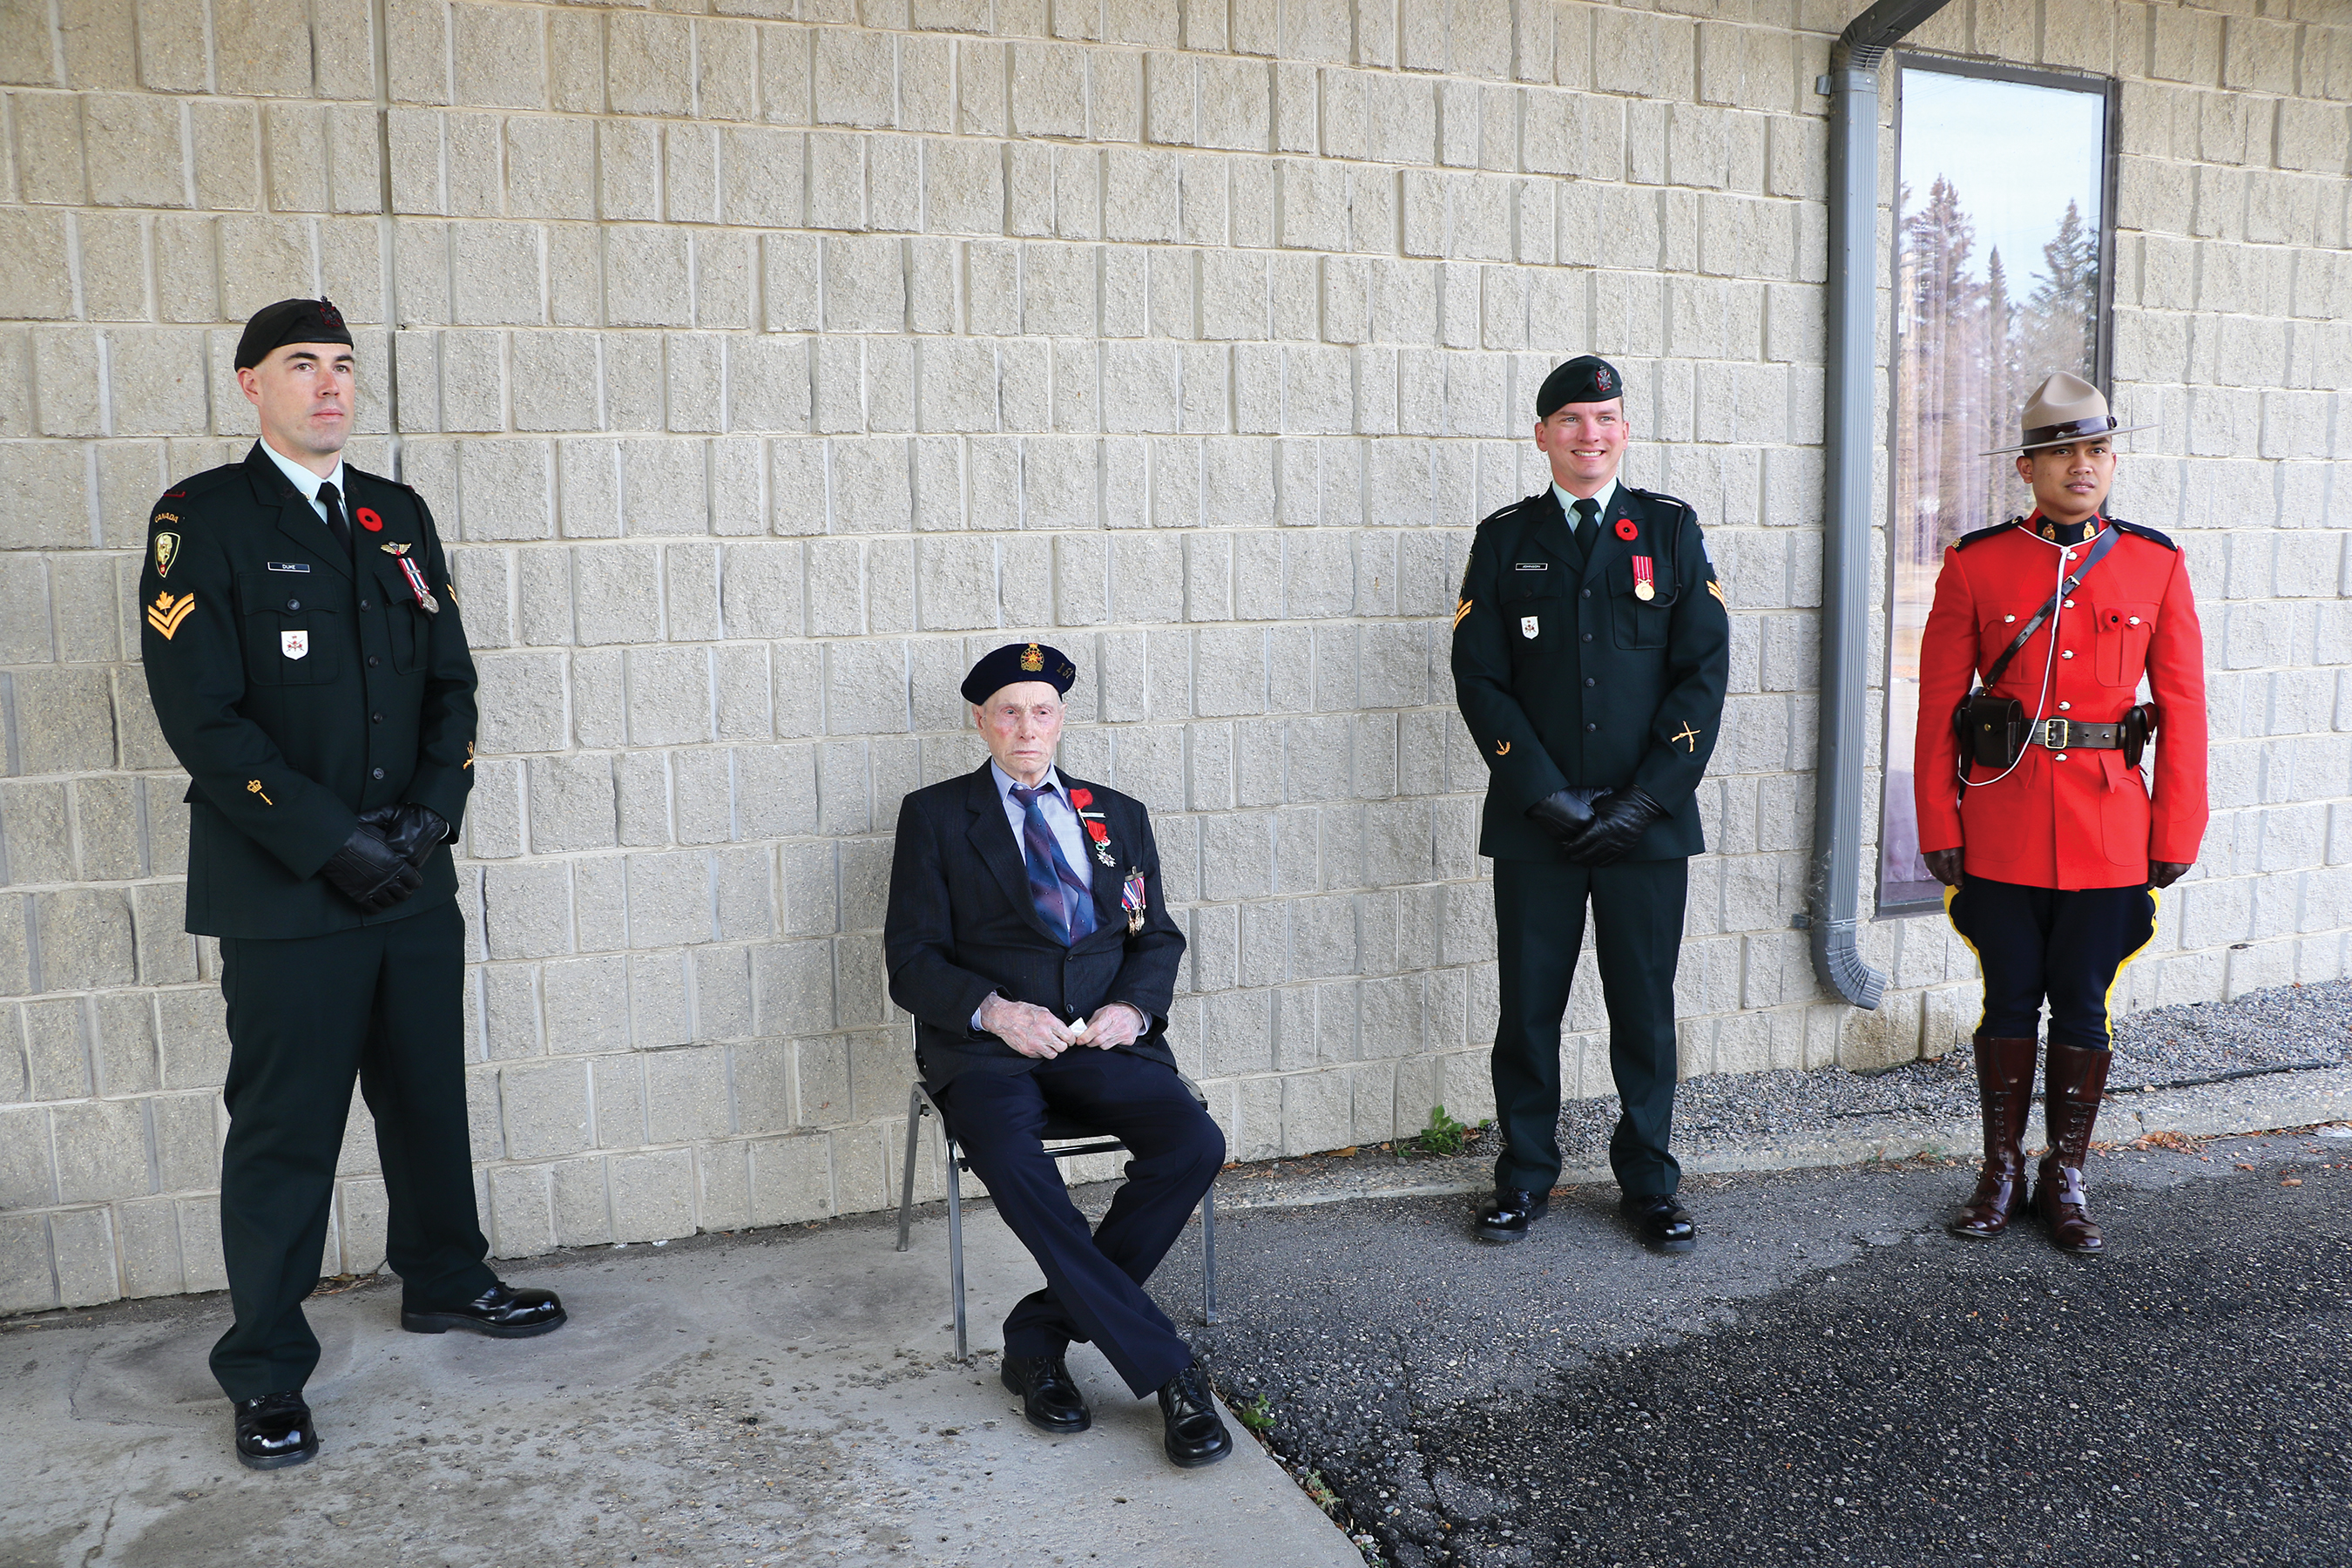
(1949, 894)
(2107, 1002)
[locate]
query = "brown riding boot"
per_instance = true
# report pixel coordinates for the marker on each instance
(2070, 1109)
(2005, 1090)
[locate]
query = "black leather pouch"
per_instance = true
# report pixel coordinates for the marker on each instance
(1992, 730)
(2138, 723)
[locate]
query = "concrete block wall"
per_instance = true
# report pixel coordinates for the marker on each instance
(766, 360)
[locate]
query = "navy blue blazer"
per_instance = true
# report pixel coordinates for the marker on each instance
(962, 924)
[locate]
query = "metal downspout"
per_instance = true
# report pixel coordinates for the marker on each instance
(1834, 883)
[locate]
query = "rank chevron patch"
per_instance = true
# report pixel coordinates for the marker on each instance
(166, 613)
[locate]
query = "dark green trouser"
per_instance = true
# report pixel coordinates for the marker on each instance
(305, 1015)
(1637, 907)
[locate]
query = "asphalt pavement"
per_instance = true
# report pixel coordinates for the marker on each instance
(1829, 1378)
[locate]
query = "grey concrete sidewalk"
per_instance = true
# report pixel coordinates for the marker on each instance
(781, 1398)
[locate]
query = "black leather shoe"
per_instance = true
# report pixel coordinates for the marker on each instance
(275, 1431)
(1507, 1216)
(1049, 1395)
(1660, 1221)
(501, 1311)
(1196, 1433)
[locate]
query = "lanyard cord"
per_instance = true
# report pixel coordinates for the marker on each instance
(2049, 664)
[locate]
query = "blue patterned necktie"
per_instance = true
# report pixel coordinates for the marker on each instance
(1064, 900)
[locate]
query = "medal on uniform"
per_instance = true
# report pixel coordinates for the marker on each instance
(1644, 588)
(1527, 626)
(1131, 899)
(1097, 834)
(425, 600)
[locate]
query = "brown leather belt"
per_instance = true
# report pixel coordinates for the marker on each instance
(2073, 735)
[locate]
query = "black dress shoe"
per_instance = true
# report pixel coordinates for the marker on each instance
(1660, 1221)
(274, 1431)
(1196, 1433)
(1049, 1395)
(1507, 1216)
(501, 1311)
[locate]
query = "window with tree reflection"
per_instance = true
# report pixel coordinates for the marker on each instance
(2001, 273)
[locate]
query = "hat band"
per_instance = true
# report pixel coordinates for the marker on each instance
(2072, 430)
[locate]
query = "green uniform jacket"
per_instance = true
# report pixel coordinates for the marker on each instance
(298, 695)
(1566, 676)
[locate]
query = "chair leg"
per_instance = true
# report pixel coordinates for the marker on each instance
(914, 1147)
(955, 1247)
(1209, 1256)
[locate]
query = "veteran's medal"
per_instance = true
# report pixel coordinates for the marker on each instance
(1644, 587)
(424, 599)
(1131, 899)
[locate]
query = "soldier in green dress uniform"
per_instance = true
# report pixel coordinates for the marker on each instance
(1590, 654)
(306, 664)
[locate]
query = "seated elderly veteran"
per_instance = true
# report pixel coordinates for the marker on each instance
(1028, 936)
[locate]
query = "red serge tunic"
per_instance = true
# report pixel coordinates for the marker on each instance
(2073, 818)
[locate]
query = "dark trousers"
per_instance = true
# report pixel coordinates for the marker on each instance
(1093, 1283)
(1637, 912)
(2038, 942)
(305, 1015)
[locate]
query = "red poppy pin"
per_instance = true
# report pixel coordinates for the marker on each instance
(369, 520)
(1627, 530)
(1079, 800)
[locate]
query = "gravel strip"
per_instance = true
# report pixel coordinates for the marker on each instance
(2292, 1026)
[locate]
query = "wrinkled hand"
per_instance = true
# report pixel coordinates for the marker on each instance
(1114, 1023)
(1944, 865)
(2164, 873)
(411, 830)
(370, 872)
(1027, 1028)
(1563, 813)
(1619, 818)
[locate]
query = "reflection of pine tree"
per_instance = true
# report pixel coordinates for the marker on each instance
(1945, 359)
(2065, 302)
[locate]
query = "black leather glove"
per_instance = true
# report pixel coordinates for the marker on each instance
(1944, 865)
(411, 830)
(2164, 873)
(1564, 813)
(1619, 818)
(370, 872)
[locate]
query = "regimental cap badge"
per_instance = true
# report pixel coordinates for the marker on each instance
(1602, 379)
(1033, 659)
(328, 313)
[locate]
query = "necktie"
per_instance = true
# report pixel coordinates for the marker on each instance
(1065, 902)
(1588, 525)
(332, 500)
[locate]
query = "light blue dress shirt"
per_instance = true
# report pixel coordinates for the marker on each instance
(1605, 495)
(1061, 818)
(307, 483)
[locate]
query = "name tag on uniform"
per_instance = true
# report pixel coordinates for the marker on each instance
(1532, 566)
(289, 566)
(294, 645)
(1527, 626)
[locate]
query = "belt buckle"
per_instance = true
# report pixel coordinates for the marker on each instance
(2057, 733)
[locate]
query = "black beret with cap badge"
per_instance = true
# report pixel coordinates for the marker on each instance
(289, 322)
(1017, 662)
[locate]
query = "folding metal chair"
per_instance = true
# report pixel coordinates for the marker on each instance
(1059, 1130)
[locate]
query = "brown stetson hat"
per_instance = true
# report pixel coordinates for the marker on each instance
(2066, 408)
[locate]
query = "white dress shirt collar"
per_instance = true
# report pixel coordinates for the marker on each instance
(306, 483)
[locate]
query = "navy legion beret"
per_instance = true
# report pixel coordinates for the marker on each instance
(289, 322)
(1587, 378)
(1017, 662)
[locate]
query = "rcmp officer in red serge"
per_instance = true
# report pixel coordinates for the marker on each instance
(1027, 933)
(1590, 650)
(2052, 852)
(308, 668)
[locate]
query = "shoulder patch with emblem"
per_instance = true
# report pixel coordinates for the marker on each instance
(166, 548)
